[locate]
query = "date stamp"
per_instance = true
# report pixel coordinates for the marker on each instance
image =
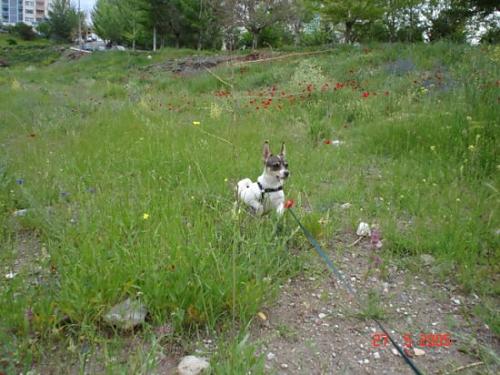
(426, 340)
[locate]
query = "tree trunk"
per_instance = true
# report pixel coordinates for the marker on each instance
(154, 38)
(199, 42)
(177, 40)
(348, 31)
(296, 37)
(255, 40)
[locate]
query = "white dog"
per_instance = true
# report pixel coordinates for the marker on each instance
(267, 193)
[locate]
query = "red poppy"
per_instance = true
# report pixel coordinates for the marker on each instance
(366, 94)
(289, 203)
(327, 142)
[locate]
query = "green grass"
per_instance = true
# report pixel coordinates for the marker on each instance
(104, 140)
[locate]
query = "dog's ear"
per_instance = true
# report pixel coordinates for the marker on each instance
(283, 150)
(266, 151)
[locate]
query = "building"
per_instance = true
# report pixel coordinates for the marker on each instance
(30, 12)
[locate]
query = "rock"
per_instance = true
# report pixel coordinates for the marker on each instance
(284, 366)
(321, 315)
(336, 142)
(345, 206)
(126, 315)
(192, 365)
(20, 213)
(270, 356)
(10, 275)
(418, 352)
(427, 259)
(394, 351)
(376, 355)
(455, 300)
(363, 230)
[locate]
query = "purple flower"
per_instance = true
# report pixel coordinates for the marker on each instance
(375, 239)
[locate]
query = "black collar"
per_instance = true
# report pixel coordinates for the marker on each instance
(268, 190)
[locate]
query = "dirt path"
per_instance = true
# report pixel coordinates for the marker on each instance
(313, 328)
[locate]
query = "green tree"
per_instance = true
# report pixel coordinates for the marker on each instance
(351, 12)
(257, 15)
(108, 23)
(63, 20)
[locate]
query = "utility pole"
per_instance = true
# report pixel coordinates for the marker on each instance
(79, 26)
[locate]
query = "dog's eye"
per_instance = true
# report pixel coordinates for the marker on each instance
(276, 165)
(286, 165)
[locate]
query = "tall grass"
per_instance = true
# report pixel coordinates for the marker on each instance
(133, 200)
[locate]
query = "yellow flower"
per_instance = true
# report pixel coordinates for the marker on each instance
(225, 180)
(145, 216)
(196, 123)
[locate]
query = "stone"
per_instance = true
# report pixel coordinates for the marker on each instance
(418, 352)
(126, 315)
(376, 355)
(270, 356)
(363, 230)
(427, 259)
(192, 365)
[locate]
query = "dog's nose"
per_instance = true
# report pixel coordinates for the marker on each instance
(287, 173)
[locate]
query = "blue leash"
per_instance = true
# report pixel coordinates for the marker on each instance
(339, 276)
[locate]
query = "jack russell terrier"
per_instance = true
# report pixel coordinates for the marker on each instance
(267, 193)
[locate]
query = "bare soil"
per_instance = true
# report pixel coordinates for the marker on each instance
(316, 328)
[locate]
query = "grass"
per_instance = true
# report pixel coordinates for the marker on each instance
(130, 199)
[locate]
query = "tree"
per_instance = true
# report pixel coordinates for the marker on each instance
(63, 20)
(256, 15)
(299, 14)
(351, 12)
(107, 21)
(118, 20)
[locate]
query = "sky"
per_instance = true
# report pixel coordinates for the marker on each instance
(86, 5)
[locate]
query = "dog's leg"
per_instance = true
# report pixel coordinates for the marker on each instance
(281, 209)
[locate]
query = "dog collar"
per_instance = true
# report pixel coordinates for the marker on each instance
(268, 190)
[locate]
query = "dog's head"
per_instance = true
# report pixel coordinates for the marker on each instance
(276, 165)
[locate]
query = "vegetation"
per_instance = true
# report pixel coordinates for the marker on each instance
(128, 196)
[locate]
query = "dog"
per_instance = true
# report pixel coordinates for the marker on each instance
(266, 193)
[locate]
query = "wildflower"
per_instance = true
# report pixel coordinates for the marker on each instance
(365, 94)
(375, 239)
(327, 142)
(471, 147)
(458, 200)
(145, 216)
(469, 118)
(433, 148)
(196, 123)
(20, 181)
(289, 203)
(225, 180)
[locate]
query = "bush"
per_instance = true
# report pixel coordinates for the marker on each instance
(24, 31)
(11, 42)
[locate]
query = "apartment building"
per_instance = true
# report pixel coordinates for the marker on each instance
(27, 11)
